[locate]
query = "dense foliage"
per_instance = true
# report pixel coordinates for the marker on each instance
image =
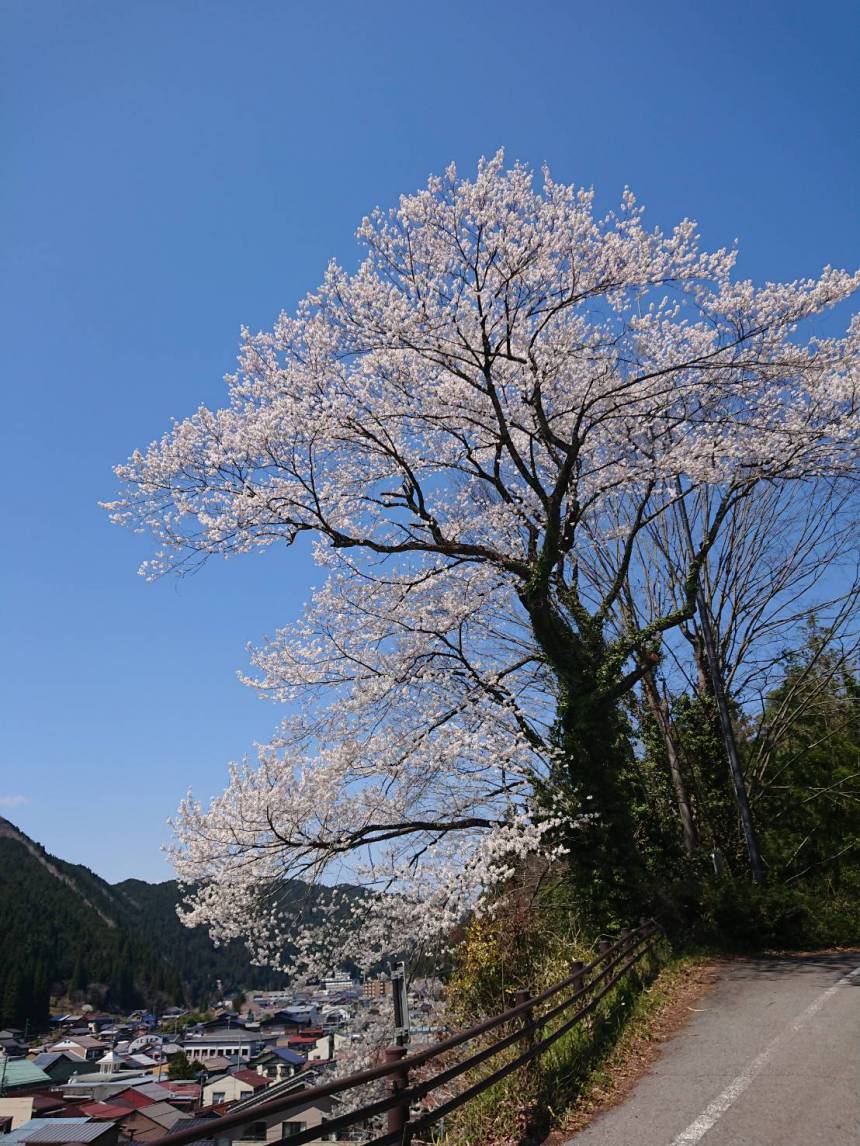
(802, 768)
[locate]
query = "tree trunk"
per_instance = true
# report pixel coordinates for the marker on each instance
(594, 777)
(600, 780)
(660, 712)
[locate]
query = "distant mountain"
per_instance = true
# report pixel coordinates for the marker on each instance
(64, 931)
(152, 907)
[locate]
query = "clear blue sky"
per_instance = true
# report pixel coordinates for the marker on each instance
(172, 169)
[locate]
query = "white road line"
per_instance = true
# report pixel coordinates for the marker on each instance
(716, 1109)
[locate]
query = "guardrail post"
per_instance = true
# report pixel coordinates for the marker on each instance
(527, 1016)
(603, 946)
(577, 971)
(398, 1116)
(626, 938)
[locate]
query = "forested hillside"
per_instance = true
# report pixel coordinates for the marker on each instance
(62, 933)
(65, 932)
(152, 906)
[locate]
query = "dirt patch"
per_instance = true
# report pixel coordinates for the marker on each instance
(667, 1005)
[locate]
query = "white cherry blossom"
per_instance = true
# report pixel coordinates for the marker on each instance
(477, 427)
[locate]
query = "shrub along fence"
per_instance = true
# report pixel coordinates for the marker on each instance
(411, 1078)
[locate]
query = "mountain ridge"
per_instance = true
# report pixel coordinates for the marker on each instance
(67, 933)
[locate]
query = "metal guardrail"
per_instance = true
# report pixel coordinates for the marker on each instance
(588, 983)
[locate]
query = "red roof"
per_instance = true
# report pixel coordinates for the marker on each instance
(186, 1089)
(252, 1078)
(134, 1098)
(105, 1111)
(46, 1102)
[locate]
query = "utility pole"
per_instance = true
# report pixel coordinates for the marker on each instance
(401, 1005)
(726, 726)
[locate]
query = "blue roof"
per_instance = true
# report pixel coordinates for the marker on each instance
(290, 1056)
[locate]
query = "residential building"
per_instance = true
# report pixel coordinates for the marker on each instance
(153, 1121)
(12, 1042)
(59, 1066)
(279, 1063)
(233, 1087)
(376, 988)
(242, 1044)
(271, 1128)
(103, 1088)
(338, 985)
(326, 1047)
(18, 1073)
(87, 1046)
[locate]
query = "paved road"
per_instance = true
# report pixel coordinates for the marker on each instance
(772, 1059)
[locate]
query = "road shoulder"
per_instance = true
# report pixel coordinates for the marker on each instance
(663, 1009)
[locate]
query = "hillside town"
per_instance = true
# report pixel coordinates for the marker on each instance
(107, 1079)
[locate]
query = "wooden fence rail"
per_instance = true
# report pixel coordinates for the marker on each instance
(585, 987)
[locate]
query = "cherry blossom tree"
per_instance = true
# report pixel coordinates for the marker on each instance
(479, 429)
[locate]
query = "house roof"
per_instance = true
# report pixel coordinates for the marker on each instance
(143, 1095)
(143, 1060)
(163, 1113)
(106, 1111)
(215, 1063)
(48, 1058)
(22, 1072)
(46, 1102)
(251, 1078)
(182, 1089)
(154, 1090)
(88, 1042)
(22, 1132)
(289, 1056)
(123, 1081)
(82, 1132)
(233, 1035)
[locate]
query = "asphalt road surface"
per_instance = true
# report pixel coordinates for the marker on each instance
(771, 1057)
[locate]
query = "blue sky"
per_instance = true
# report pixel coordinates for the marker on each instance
(173, 168)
